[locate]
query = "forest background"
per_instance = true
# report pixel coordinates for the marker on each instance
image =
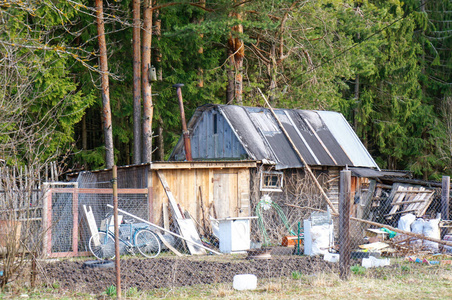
(386, 65)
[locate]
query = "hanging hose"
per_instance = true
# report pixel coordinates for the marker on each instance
(266, 203)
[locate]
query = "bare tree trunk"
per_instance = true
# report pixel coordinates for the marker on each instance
(84, 134)
(238, 61)
(148, 107)
(238, 53)
(355, 121)
(201, 49)
(230, 74)
(136, 83)
(106, 110)
(158, 32)
(161, 145)
(272, 71)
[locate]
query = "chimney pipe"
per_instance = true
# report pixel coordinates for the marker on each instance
(185, 133)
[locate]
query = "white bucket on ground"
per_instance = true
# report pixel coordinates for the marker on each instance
(375, 262)
(331, 257)
(244, 282)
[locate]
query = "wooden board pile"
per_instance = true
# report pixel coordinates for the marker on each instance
(389, 202)
(409, 199)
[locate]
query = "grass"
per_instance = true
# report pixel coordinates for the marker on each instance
(403, 280)
(297, 275)
(358, 270)
(111, 291)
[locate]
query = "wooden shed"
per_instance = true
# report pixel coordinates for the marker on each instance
(324, 139)
(219, 189)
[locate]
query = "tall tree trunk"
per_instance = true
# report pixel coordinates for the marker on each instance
(157, 55)
(423, 86)
(161, 145)
(356, 111)
(148, 108)
(272, 72)
(238, 53)
(136, 36)
(84, 133)
(201, 49)
(106, 111)
(230, 74)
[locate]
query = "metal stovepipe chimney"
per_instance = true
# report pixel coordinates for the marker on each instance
(185, 133)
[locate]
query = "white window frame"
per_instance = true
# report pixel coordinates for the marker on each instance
(279, 185)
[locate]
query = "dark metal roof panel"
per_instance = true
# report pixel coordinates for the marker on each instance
(246, 132)
(330, 152)
(372, 173)
(297, 137)
(347, 139)
(274, 138)
(317, 154)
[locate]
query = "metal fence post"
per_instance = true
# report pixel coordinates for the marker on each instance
(344, 224)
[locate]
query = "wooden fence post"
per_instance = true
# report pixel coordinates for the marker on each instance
(116, 223)
(344, 224)
(445, 192)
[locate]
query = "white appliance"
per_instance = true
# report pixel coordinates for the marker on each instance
(234, 234)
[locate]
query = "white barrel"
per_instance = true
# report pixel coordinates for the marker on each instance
(244, 282)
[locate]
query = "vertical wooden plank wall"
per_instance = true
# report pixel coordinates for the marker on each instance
(185, 183)
(213, 138)
(244, 193)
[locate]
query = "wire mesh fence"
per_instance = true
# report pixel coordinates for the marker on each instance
(288, 232)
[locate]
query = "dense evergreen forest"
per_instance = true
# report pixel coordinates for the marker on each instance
(385, 64)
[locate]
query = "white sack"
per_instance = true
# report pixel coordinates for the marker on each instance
(405, 222)
(320, 236)
(431, 229)
(417, 227)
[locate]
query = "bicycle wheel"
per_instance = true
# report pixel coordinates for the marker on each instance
(102, 245)
(147, 243)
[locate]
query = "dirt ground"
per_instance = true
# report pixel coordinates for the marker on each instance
(147, 274)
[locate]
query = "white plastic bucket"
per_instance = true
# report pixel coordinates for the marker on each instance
(331, 257)
(244, 282)
(375, 262)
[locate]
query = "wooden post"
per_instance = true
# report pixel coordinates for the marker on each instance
(75, 220)
(344, 224)
(115, 216)
(33, 270)
(445, 198)
(47, 220)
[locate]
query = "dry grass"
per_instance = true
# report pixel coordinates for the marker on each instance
(402, 280)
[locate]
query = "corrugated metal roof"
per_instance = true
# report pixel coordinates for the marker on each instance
(323, 138)
(371, 173)
(347, 139)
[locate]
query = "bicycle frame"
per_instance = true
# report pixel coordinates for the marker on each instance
(130, 242)
(132, 237)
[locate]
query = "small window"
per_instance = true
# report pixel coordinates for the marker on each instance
(215, 124)
(271, 181)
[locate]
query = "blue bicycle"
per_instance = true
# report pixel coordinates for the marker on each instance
(132, 237)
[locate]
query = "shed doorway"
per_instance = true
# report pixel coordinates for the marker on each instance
(225, 196)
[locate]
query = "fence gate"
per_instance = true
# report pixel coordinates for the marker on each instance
(66, 230)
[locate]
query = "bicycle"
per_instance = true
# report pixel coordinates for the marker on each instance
(102, 243)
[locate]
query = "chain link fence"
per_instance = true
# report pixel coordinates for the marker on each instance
(373, 222)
